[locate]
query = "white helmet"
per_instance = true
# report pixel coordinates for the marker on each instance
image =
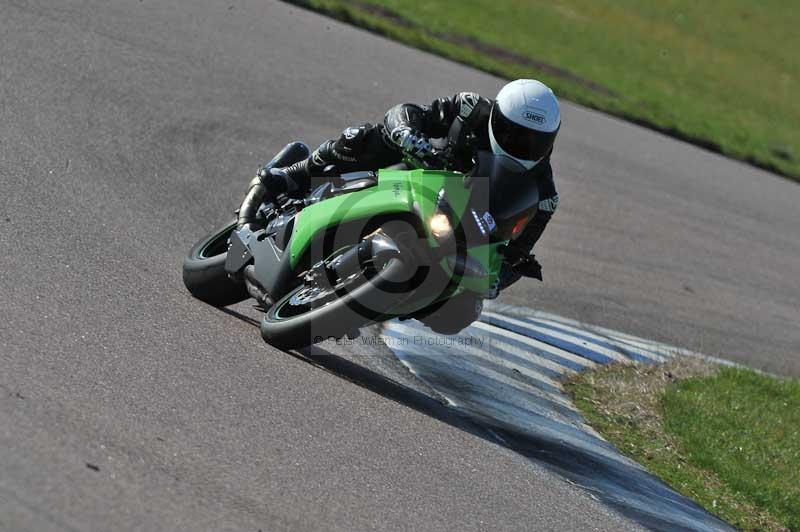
(524, 121)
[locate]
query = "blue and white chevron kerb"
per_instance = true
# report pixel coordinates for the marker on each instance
(506, 372)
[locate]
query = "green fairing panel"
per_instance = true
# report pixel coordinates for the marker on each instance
(427, 184)
(390, 195)
(425, 187)
(397, 191)
(486, 255)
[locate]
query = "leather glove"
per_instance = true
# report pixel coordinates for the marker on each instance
(522, 262)
(417, 148)
(530, 268)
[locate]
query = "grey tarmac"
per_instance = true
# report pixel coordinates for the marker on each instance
(128, 129)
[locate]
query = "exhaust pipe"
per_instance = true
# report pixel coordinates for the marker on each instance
(376, 249)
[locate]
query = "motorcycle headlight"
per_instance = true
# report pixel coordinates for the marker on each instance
(440, 223)
(440, 226)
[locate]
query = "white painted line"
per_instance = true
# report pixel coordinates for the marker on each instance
(500, 361)
(665, 351)
(537, 344)
(524, 312)
(539, 314)
(565, 337)
(522, 386)
(496, 340)
(647, 352)
(600, 331)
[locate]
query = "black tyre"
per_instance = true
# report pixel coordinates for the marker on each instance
(204, 270)
(293, 322)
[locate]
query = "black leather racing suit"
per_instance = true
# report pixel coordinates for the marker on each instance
(462, 119)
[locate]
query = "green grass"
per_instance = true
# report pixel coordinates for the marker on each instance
(723, 74)
(727, 438)
(746, 428)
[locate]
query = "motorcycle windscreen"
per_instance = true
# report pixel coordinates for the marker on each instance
(507, 191)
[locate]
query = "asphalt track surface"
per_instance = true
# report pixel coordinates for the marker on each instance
(129, 128)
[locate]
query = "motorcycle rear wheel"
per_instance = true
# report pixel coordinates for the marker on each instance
(204, 270)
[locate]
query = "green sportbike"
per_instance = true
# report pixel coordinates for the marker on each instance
(366, 247)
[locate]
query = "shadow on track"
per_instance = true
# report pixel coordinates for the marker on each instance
(621, 483)
(379, 384)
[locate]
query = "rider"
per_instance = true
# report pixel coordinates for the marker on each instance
(522, 123)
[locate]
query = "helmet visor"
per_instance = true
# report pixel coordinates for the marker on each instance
(520, 141)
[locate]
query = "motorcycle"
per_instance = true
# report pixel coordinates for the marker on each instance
(366, 247)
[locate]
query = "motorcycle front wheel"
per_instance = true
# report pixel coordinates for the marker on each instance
(310, 314)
